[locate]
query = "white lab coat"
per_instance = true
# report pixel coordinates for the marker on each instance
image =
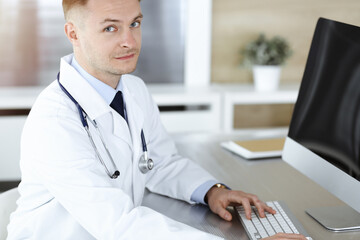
(65, 191)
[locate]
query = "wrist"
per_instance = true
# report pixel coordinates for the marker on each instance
(215, 187)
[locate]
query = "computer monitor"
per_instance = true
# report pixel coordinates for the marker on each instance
(324, 135)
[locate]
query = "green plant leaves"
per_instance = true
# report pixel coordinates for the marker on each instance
(263, 51)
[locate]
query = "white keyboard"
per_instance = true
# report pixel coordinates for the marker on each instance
(258, 228)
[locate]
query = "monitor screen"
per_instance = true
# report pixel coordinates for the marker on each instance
(326, 118)
(323, 141)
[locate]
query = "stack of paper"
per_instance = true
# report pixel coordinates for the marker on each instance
(259, 148)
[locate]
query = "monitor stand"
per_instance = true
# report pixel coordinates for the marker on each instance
(337, 218)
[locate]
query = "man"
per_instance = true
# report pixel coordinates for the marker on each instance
(68, 190)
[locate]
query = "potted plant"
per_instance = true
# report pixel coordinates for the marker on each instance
(266, 56)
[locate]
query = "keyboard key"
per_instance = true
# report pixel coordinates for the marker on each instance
(279, 217)
(265, 223)
(274, 223)
(259, 227)
(248, 224)
(282, 223)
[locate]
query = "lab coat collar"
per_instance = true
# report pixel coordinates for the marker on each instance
(92, 103)
(90, 100)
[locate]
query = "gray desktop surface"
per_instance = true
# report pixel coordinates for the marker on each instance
(270, 179)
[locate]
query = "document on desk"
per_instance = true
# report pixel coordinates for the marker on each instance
(255, 149)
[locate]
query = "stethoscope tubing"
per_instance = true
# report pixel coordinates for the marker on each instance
(79, 108)
(145, 164)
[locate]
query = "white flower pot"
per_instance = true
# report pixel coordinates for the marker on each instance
(266, 78)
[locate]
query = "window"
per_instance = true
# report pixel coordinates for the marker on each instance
(32, 41)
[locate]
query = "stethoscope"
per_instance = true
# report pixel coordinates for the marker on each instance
(145, 163)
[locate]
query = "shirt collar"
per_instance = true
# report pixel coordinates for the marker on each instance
(104, 90)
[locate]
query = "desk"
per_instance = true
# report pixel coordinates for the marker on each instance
(270, 179)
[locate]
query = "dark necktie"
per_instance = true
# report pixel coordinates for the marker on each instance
(118, 104)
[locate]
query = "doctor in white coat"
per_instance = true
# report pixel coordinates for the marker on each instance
(66, 191)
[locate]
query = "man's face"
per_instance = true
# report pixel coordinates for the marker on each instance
(109, 37)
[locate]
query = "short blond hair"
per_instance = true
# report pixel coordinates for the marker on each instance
(69, 4)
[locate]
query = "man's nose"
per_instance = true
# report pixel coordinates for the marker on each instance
(128, 39)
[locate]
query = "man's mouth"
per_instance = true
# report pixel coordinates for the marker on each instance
(126, 57)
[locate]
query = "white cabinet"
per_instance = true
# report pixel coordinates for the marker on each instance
(246, 95)
(188, 109)
(10, 133)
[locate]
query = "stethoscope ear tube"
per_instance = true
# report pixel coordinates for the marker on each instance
(116, 173)
(83, 118)
(79, 108)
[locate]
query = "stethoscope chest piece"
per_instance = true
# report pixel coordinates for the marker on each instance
(145, 163)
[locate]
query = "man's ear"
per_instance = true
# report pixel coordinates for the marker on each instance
(72, 33)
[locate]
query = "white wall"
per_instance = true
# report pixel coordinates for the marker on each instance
(198, 43)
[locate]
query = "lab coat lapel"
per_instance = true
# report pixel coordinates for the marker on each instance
(91, 102)
(121, 129)
(136, 122)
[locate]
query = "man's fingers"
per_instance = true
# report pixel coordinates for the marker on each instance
(248, 200)
(269, 209)
(247, 207)
(254, 200)
(262, 208)
(219, 199)
(223, 213)
(259, 205)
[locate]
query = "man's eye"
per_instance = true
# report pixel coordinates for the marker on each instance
(135, 24)
(110, 29)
